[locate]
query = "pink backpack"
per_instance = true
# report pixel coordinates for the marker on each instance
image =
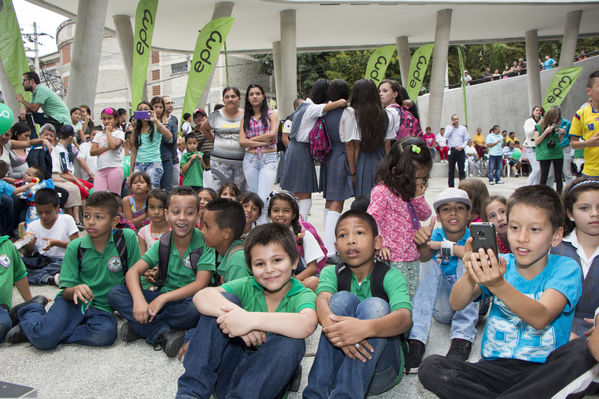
(307, 226)
(409, 125)
(320, 143)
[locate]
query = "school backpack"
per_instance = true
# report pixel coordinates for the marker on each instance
(307, 226)
(217, 279)
(320, 143)
(121, 246)
(164, 252)
(408, 125)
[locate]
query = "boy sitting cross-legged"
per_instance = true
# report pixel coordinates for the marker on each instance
(185, 266)
(250, 338)
(534, 295)
(363, 307)
(92, 266)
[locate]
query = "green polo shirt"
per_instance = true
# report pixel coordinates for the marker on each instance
(52, 105)
(395, 286)
(543, 152)
(195, 174)
(251, 295)
(100, 271)
(180, 272)
(12, 269)
(233, 266)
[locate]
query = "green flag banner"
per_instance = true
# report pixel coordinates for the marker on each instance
(560, 86)
(418, 67)
(461, 61)
(208, 46)
(12, 52)
(378, 63)
(145, 19)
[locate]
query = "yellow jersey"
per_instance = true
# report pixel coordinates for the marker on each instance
(585, 124)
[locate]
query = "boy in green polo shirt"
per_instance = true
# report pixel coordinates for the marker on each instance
(160, 316)
(92, 266)
(192, 164)
(268, 314)
(359, 352)
(12, 272)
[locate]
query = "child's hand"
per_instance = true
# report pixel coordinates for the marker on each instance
(254, 338)
(82, 293)
(155, 306)
(141, 311)
(420, 188)
(151, 274)
(384, 253)
(588, 332)
(235, 321)
(49, 243)
(484, 268)
(345, 331)
(183, 351)
(361, 351)
(423, 235)
(108, 129)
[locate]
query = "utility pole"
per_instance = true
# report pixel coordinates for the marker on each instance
(36, 51)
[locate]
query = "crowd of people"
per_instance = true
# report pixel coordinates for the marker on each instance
(177, 228)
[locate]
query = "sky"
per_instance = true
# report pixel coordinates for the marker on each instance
(47, 22)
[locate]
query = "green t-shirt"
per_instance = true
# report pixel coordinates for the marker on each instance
(543, 152)
(234, 266)
(395, 286)
(12, 269)
(195, 174)
(180, 272)
(251, 295)
(100, 271)
(51, 104)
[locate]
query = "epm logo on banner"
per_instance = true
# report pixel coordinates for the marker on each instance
(214, 38)
(142, 44)
(418, 74)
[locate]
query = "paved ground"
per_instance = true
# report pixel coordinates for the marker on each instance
(134, 370)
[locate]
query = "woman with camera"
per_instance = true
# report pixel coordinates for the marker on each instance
(548, 137)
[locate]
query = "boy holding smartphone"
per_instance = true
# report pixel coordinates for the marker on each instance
(534, 297)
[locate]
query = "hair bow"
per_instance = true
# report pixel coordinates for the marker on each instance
(416, 149)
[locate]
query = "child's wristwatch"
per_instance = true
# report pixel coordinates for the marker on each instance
(447, 248)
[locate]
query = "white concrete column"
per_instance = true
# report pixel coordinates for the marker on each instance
(566, 58)
(276, 61)
(435, 102)
(403, 52)
(221, 10)
(124, 34)
(532, 68)
(8, 92)
(288, 83)
(87, 47)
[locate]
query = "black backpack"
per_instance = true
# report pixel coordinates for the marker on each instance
(164, 252)
(216, 277)
(121, 246)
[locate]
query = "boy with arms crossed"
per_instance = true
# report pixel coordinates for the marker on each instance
(92, 266)
(359, 351)
(270, 310)
(534, 295)
(160, 316)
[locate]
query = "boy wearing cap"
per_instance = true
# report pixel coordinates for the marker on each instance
(441, 266)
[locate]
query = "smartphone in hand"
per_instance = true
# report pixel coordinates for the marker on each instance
(483, 236)
(141, 115)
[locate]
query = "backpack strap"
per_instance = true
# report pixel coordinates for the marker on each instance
(376, 281)
(343, 277)
(164, 252)
(216, 277)
(194, 257)
(121, 246)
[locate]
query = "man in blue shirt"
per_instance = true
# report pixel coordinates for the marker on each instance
(457, 137)
(494, 143)
(549, 62)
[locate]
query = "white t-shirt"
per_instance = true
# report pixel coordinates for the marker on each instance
(308, 120)
(62, 230)
(312, 251)
(349, 130)
(60, 160)
(441, 140)
(186, 128)
(110, 158)
(91, 161)
(471, 151)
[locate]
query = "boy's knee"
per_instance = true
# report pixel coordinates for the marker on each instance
(372, 308)
(116, 294)
(342, 301)
(432, 371)
(232, 297)
(287, 347)
(104, 336)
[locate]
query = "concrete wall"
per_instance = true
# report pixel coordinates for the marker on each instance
(505, 102)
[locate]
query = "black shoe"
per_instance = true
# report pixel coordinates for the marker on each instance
(16, 335)
(415, 355)
(459, 349)
(170, 341)
(42, 300)
(296, 379)
(48, 280)
(127, 334)
(5, 307)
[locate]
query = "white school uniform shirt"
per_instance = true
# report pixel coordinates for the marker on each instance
(312, 251)
(349, 129)
(585, 262)
(313, 112)
(62, 230)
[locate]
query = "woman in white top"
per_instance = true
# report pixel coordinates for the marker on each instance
(529, 143)
(108, 147)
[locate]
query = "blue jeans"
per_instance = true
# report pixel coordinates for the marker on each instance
(432, 299)
(223, 366)
(179, 315)
(166, 182)
(40, 276)
(335, 375)
(153, 169)
(5, 324)
(260, 175)
(66, 323)
(495, 164)
(6, 214)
